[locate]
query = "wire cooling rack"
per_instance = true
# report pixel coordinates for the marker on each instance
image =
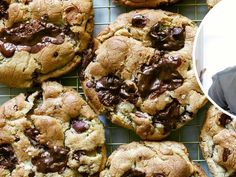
(105, 13)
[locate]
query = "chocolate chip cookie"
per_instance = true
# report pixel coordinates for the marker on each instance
(145, 3)
(211, 3)
(52, 132)
(151, 159)
(41, 39)
(141, 73)
(218, 143)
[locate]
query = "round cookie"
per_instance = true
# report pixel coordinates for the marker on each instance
(218, 143)
(41, 39)
(145, 3)
(151, 159)
(141, 73)
(48, 133)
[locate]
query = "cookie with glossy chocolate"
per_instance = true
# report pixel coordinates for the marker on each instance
(151, 159)
(52, 132)
(145, 3)
(218, 143)
(141, 73)
(42, 39)
(212, 3)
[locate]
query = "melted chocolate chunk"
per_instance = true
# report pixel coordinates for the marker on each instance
(31, 174)
(225, 119)
(8, 159)
(167, 38)
(139, 21)
(78, 154)
(87, 57)
(160, 76)
(154, 79)
(111, 90)
(7, 49)
(32, 134)
(108, 98)
(108, 89)
(159, 175)
(129, 93)
(17, 139)
(169, 116)
(133, 173)
(29, 33)
(31, 36)
(111, 83)
(53, 160)
(226, 154)
(3, 9)
(79, 126)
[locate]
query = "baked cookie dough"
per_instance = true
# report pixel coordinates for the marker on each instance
(145, 3)
(218, 143)
(151, 159)
(211, 3)
(41, 39)
(141, 73)
(50, 133)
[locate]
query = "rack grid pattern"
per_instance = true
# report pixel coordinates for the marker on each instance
(105, 13)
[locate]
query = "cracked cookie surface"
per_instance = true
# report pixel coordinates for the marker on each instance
(218, 143)
(145, 3)
(151, 159)
(41, 39)
(141, 73)
(48, 133)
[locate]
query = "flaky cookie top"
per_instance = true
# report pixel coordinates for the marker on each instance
(50, 133)
(141, 72)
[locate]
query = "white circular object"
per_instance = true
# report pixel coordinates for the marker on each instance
(215, 45)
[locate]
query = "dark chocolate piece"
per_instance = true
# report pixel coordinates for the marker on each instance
(111, 90)
(31, 174)
(156, 78)
(169, 117)
(108, 98)
(3, 9)
(160, 76)
(133, 173)
(110, 82)
(79, 126)
(8, 158)
(139, 21)
(53, 160)
(7, 49)
(108, 89)
(87, 57)
(225, 119)
(31, 36)
(129, 93)
(167, 38)
(226, 154)
(78, 154)
(32, 134)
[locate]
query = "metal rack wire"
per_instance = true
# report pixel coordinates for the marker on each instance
(105, 13)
